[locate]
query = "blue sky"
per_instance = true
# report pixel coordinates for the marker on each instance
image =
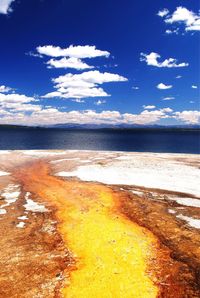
(133, 62)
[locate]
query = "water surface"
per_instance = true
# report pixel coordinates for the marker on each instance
(174, 141)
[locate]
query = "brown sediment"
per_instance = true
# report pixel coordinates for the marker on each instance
(183, 243)
(33, 258)
(173, 269)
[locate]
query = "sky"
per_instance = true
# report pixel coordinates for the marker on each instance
(112, 62)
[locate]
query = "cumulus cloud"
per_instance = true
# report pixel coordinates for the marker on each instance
(5, 89)
(77, 93)
(24, 110)
(71, 57)
(168, 98)
(178, 77)
(89, 79)
(99, 102)
(54, 116)
(162, 86)
(13, 103)
(135, 88)
(149, 107)
(72, 51)
(15, 98)
(32, 54)
(4, 113)
(16, 107)
(163, 12)
(192, 117)
(171, 31)
(78, 100)
(152, 59)
(83, 85)
(166, 110)
(72, 62)
(194, 87)
(145, 117)
(5, 6)
(182, 15)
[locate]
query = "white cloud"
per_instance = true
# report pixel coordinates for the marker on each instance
(152, 59)
(4, 113)
(168, 98)
(72, 51)
(89, 78)
(189, 18)
(78, 93)
(166, 110)
(146, 117)
(163, 86)
(191, 117)
(194, 87)
(163, 12)
(182, 15)
(23, 110)
(135, 88)
(78, 100)
(72, 62)
(83, 85)
(178, 77)
(5, 6)
(110, 65)
(195, 26)
(5, 89)
(149, 107)
(16, 107)
(15, 98)
(99, 102)
(17, 103)
(32, 54)
(171, 31)
(53, 116)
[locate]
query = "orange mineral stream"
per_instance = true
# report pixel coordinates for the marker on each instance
(112, 254)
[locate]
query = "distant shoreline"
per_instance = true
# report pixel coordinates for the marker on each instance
(82, 128)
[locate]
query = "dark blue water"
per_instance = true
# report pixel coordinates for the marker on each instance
(175, 141)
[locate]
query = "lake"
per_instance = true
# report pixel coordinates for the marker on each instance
(174, 141)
